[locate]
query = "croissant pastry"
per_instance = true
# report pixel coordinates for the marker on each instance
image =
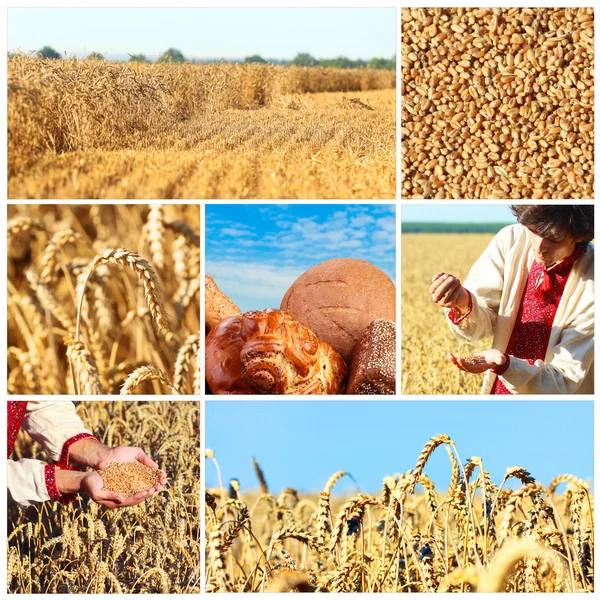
(281, 356)
(218, 305)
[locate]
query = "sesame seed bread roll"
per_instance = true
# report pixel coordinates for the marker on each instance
(373, 367)
(339, 298)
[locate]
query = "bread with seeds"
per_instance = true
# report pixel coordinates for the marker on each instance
(373, 367)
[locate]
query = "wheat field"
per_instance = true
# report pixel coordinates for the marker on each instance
(85, 548)
(103, 299)
(426, 338)
(93, 129)
(475, 536)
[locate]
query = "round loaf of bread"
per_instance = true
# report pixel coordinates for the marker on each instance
(339, 298)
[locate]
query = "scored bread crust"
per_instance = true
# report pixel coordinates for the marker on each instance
(373, 367)
(339, 298)
(218, 305)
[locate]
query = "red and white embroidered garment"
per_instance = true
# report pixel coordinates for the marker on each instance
(549, 336)
(56, 426)
(543, 292)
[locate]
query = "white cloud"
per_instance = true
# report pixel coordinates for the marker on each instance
(387, 223)
(236, 232)
(253, 285)
(259, 267)
(361, 221)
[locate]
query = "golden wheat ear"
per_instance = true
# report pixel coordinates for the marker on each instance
(146, 373)
(144, 272)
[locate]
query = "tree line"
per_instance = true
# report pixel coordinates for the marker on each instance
(302, 59)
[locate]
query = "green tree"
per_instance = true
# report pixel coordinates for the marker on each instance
(172, 55)
(48, 52)
(140, 58)
(304, 59)
(383, 63)
(95, 56)
(378, 63)
(255, 58)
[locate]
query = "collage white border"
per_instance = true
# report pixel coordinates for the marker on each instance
(399, 203)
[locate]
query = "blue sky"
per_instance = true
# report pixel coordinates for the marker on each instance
(207, 32)
(255, 252)
(301, 443)
(457, 213)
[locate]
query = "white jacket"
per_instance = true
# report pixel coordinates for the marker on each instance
(497, 282)
(51, 424)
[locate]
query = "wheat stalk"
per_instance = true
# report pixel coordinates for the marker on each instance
(146, 373)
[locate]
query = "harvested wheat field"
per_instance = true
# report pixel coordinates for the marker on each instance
(103, 299)
(426, 338)
(517, 537)
(199, 131)
(85, 548)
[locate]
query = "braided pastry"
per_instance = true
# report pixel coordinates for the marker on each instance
(281, 356)
(267, 352)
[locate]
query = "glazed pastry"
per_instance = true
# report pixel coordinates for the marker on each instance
(281, 356)
(222, 359)
(373, 368)
(218, 305)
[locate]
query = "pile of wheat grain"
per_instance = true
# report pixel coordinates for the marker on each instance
(85, 548)
(128, 478)
(498, 103)
(475, 537)
(103, 299)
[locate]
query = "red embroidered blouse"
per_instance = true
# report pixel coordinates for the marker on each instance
(16, 414)
(531, 332)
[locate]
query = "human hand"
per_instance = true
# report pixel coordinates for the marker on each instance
(92, 484)
(447, 291)
(483, 361)
(122, 454)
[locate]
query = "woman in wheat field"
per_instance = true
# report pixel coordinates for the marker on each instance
(58, 428)
(532, 290)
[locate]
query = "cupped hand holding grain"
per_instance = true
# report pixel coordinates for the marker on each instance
(94, 454)
(483, 361)
(92, 485)
(447, 291)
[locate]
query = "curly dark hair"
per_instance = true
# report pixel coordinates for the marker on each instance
(557, 222)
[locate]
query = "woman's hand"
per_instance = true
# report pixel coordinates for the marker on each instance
(122, 454)
(92, 453)
(491, 360)
(447, 291)
(92, 485)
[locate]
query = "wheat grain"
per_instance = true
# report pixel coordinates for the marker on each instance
(144, 273)
(86, 377)
(494, 107)
(187, 354)
(146, 373)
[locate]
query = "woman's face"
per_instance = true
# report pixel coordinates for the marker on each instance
(547, 252)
